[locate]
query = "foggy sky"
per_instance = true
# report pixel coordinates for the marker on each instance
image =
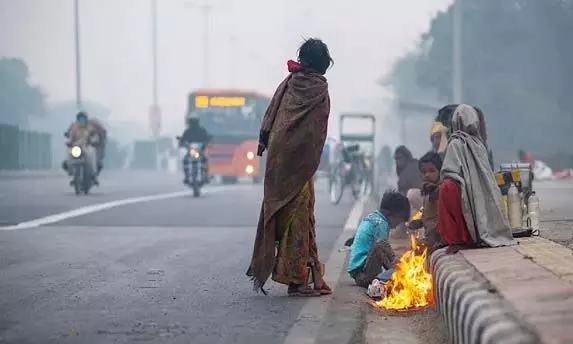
(365, 37)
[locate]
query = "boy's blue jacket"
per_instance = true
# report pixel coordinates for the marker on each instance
(373, 227)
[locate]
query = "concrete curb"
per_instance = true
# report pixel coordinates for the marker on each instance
(472, 309)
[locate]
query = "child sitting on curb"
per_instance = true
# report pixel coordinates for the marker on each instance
(371, 254)
(430, 166)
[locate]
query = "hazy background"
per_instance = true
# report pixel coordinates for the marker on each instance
(516, 63)
(365, 37)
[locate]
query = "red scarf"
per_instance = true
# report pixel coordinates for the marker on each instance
(293, 66)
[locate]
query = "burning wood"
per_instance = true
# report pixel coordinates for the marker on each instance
(411, 285)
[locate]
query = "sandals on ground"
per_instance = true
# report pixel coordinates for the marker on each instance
(323, 289)
(303, 291)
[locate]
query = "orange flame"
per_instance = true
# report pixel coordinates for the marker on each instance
(411, 285)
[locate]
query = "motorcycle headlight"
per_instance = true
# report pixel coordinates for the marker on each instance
(250, 155)
(76, 152)
(194, 153)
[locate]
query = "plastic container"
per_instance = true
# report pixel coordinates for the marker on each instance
(534, 211)
(514, 207)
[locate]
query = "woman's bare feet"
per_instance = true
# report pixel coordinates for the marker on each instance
(302, 290)
(319, 284)
(322, 288)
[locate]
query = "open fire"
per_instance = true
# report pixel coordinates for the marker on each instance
(410, 287)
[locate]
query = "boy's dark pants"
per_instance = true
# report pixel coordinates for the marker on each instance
(380, 256)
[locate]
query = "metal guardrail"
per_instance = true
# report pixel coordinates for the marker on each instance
(24, 150)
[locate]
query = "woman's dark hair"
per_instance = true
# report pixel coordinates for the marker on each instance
(482, 126)
(445, 114)
(314, 54)
(432, 158)
(402, 150)
(395, 204)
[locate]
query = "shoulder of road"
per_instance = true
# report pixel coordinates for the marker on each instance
(520, 294)
(495, 295)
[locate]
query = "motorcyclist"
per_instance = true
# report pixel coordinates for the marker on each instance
(82, 132)
(102, 139)
(101, 133)
(194, 133)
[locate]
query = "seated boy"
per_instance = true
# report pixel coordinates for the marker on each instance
(371, 252)
(430, 166)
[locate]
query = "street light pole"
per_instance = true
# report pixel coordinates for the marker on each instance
(457, 85)
(154, 50)
(79, 104)
(234, 59)
(207, 11)
(154, 112)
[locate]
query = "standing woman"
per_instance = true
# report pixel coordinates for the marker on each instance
(293, 131)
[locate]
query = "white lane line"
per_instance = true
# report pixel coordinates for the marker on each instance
(94, 208)
(305, 329)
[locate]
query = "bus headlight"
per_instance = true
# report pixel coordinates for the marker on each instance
(250, 155)
(76, 152)
(250, 169)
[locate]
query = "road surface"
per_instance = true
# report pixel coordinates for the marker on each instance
(164, 269)
(556, 203)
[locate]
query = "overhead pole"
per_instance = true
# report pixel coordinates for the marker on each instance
(77, 52)
(457, 53)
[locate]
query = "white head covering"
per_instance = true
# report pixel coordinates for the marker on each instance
(466, 119)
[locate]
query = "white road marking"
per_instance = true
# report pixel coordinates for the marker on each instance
(94, 208)
(305, 329)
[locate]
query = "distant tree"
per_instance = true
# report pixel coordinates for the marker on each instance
(517, 66)
(403, 81)
(19, 100)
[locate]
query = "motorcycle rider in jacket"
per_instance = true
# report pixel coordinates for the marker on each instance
(194, 133)
(82, 132)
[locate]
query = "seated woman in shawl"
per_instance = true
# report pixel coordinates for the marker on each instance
(469, 204)
(444, 117)
(409, 182)
(294, 132)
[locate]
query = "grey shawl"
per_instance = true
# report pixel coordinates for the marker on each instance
(467, 162)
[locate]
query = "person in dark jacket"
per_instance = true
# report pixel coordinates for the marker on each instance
(194, 133)
(409, 182)
(407, 170)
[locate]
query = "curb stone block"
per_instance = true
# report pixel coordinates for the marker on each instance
(471, 308)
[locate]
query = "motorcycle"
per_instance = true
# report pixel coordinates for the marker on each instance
(351, 172)
(197, 171)
(82, 167)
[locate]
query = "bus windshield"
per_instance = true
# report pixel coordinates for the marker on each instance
(229, 121)
(228, 116)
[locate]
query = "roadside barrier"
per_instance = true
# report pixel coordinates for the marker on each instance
(24, 150)
(472, 310)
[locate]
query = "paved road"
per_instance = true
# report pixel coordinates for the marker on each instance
(23, 199)
(556, 203)
(164, 271)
